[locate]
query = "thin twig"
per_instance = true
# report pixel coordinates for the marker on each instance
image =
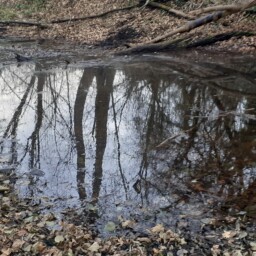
(94, 16)
(171, 10)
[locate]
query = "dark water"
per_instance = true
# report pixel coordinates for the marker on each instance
(154, 137)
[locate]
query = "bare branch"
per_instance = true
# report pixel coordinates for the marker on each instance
(171, 10)
(204, 20)
(94, 16)
(229, 8)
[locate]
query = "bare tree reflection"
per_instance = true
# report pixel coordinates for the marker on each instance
(198, 109)
(124, 181)
(81, 95)
(203, 153)
(11, 130)
(34, 150)
(152, 130)
(104, 80)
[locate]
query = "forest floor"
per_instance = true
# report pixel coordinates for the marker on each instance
(23, 229)
(117, 29)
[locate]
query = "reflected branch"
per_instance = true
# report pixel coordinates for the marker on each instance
(104, 78)
(81, 96)
(14, 122)
(118, 145)
(35, 138)
(16, 116)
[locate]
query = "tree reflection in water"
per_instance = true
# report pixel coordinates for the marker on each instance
(159, 133)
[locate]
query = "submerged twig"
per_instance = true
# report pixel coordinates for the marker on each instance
(165, 142)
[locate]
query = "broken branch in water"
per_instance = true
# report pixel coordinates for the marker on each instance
(164, 144)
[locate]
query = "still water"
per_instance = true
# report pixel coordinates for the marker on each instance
(152, 137)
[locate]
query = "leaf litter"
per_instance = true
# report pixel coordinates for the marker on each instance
(25, 230)
(137, 25)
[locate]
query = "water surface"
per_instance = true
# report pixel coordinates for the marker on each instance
(153, 138)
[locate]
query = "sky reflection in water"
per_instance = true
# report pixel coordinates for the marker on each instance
(141, 135)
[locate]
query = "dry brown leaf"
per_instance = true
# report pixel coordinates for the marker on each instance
(144, 239)
(22, 232)
(6, 252)
(215, 250)
(38, 247)
(17, 244)
(59, 239)
(229, 234)
(94, 247)
(27, 248)
(157, 229)
(128, 224)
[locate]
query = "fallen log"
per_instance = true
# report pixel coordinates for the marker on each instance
(170, 44)
(218, 38)
(206, 19)
(184, 43)
(154, 44)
